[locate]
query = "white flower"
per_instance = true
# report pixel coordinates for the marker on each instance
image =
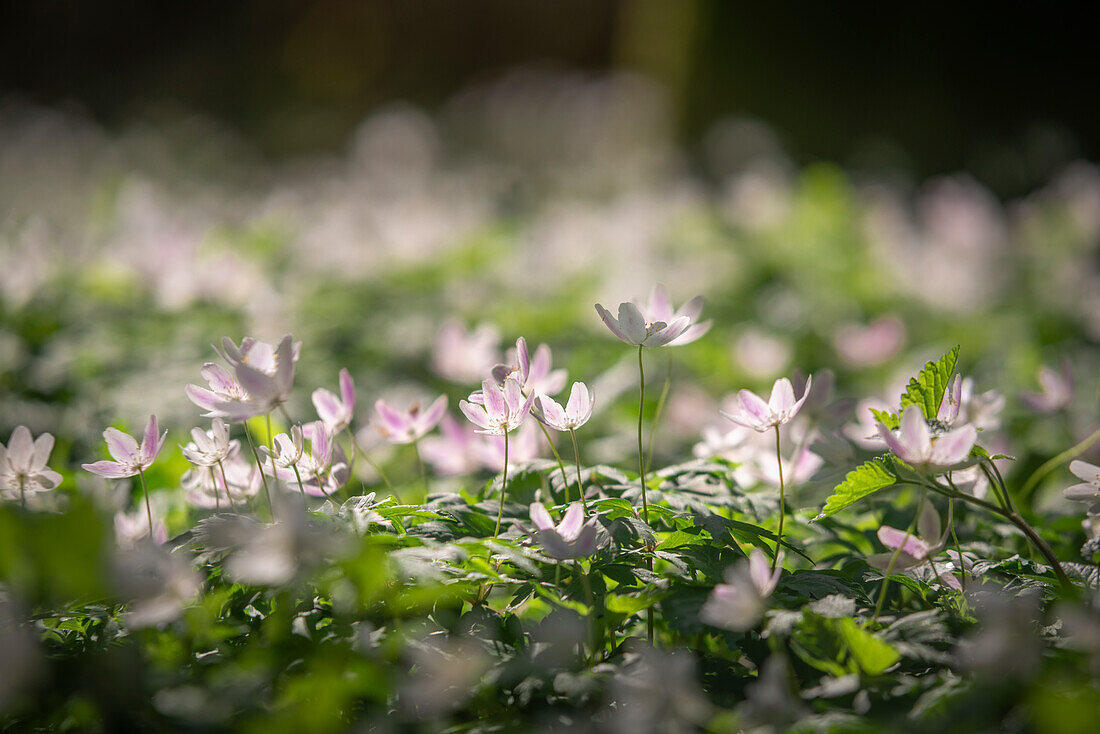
(751, 411)
(575, 413)
(914, 443)
(739, 603)
(1089, 489)
(207, 448)
(23, 464)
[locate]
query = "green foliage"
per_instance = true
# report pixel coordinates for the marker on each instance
(866, 479)
(926, 390)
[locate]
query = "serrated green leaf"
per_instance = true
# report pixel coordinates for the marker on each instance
(867, 478)
(886, 418)
(927, 388)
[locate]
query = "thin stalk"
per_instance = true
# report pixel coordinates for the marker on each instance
(641, 455)
(298, 475)
(260, 466)
(225, 484)
(1001, 481)
(894, 558)
(214, 482)
(641, 477)
(577, 457)
(958, 549)
(660, 411)
(561, 464)
(356, 447)
(782, 500)
(592, 636)
(503, 486)
(1016, 519)
(148, 510)
(1047, 466)
(22, 492)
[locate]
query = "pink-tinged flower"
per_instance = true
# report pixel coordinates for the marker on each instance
(207, 448)
(496, 409)
(336, 412)
(131, 527)
(409, 425)
(864, 431)
(453, 452)
(1088, 490)
(1056, 390)
(23, 464)
(465, 356)
(915, 444)
(870, 345)
(571, 538)
(130, 459)
(632, 327)
(287, 450)
(659, 308)
(534, 374)
(909, 551)
(951, 403)
(575, 413)
(751, 411)
(207, 489)
(261, 380)
(739, 603)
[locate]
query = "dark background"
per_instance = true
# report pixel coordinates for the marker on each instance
(1006, 92)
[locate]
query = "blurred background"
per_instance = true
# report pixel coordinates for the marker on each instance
(851, 187)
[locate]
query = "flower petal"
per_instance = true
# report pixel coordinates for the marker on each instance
(659, 307)
(782, 397)
(612, 324)
(914, 434)
(109, 469)
(21, 448)
(570, 526)
(541, 517)
(122, 446)
(954, 446)
(1085, 471)
(632, 323)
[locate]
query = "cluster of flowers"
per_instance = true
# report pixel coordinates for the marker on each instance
(310, 459)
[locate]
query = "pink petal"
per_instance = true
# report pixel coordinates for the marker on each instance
(541, 517)
(954, 446)
(327, 405)
(782, 397)
(895, 445)
(523, 359)
(259, 385)
(612, 324)
(693, 333)
(43, 445)
(433, 414)
(474, 413)
(805, 394)
(929, 523)
(496, 406)
(914, 433)
(570, 526)
(513, 394)
(754, 406)
(347, 390)
(552, 413)
(668, 332)
(579, 407)
(893, 539)
(20, 448)
(108, 469)
(692, 309)
(201, 397)
(660, 308)
(394, 422)
(760, 570)
(218, 377)
(632, 323)
(903, 561)
(122, 446)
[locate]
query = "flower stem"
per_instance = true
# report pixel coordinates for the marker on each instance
(356, 447)
(782, 499)
(148, 510)
(641, 455)
(577, 457)
(659, 412)
(1070, 453)
(299, 477)
(423, 468)
(894, 557)
(22, 492)
(593, 635)
(503, 486)
(225, 484)
(641, 478)
(214, 482)
(260, 466)
(561, 464)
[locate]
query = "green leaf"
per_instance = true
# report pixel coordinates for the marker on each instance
(629, 605)
(865, 479)
(886, 418)
(874, 656)
(927, 388)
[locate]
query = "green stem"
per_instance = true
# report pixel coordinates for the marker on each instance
(263, 477)
(1047, 466)
(577, 457)
(641, 478)
(894, 558)
(958, 548)
(561, 464)
(423, 468)
(641, 455)
(356, 447)
(214, 482)
(660, 411)
(503, 486)
(592, 635)
(148, 510)
(22, 492)
(782, 499)
(297, 475)
(225, 483)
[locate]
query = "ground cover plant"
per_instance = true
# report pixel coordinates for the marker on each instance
(385, 520)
